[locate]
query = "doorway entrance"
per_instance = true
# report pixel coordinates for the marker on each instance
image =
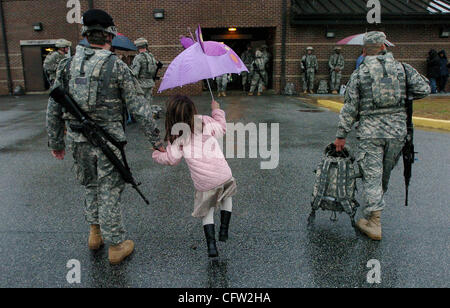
(238, 39)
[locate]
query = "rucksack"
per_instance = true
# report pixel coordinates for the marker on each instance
(335, 185)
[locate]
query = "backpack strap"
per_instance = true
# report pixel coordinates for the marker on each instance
(108, 72)
(343, 175)
(323, 184)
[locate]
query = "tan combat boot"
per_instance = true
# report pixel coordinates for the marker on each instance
(259, 94)
(335, 92)
(311, 91)
(118, 253)
(372, 226)
(95, 238)
(250, 93)
(224, 94)
(305, 92)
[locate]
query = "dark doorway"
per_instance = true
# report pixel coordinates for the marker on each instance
(238, 39)
(33, 58)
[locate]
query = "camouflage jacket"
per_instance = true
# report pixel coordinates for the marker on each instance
(247, 57)
(144, 68)
(123, 93)
(336, 61)
(311, 63)
(365, 100)
(51, 63)
(258, 65)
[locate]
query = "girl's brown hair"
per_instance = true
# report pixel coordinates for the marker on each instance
(180, 109)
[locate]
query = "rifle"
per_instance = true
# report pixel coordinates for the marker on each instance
(408, 149)
(96, 136)
(159, 65)
(305, 71)
(256, 69)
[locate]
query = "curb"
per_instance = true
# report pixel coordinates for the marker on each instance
(418, 121)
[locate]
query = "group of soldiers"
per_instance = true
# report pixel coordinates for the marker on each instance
(310, 66)
(256, 78)
(104, 86)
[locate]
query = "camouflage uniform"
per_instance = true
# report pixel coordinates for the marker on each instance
(144, 68)
(336, 61)
(258, 72)
(309, 66)
(247, 57)
(222, 82)
(267, 56)
(105, 103)
(53, 59)
(378, 103)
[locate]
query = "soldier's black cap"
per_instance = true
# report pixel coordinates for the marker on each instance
(96, 17)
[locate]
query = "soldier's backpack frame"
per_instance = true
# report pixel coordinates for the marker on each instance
(335, 185)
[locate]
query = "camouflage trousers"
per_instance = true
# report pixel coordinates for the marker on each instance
(148, 93)
(335, 80)
(257, 82)
(103, 188)
(246, 78)
(222, 82)
(376, 159)
(308, 80)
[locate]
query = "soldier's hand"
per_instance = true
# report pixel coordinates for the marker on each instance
(59, 154)
(215, 105)
(161, 148)
(340, 144)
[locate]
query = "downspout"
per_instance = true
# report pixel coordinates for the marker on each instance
(91, 4)
(5, 44)
(283, 45)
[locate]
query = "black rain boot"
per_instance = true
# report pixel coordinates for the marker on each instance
(225, 218)
(210, 235)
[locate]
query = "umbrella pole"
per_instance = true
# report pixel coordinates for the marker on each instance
(210, 91)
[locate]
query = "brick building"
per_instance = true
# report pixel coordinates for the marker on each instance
(30, 28)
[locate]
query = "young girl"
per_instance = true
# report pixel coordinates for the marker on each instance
(193, 137)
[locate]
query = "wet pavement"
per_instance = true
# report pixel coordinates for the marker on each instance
(42, 224)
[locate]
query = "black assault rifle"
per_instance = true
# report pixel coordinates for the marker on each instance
(408, 150)
(96, 136)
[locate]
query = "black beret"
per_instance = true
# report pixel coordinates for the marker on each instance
(95, 17)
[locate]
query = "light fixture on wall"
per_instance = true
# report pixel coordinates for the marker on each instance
(445, 32)
(158, 13)
(330, 33)
(232, 29)
(37, 26)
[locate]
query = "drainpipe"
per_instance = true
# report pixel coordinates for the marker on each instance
(5, 44)
(91, 4)
(283, 45)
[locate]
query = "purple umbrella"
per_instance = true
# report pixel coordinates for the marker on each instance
(202, 60)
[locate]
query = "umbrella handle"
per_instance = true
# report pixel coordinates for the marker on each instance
(210, 91)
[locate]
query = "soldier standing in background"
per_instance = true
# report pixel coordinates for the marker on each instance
(144, 68)
(258, 69)
(376, 97)
(222, 82)
(103, 86)
(309, 67)
(267, 56)
(53, 59)
(247, 57)
(336, 65)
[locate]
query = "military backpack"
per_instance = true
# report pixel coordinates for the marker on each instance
(335, 185)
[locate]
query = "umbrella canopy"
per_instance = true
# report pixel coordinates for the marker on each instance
(358, 39)
(120, 42)
(202, 60)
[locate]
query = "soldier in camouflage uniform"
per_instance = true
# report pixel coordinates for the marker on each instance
(222, 82)
(375, 96)
(258, 72)
(336, 66)
(144, 68)
(53, 59)
(103, 86)
(267, 56)
(309, 66)
(247, 57)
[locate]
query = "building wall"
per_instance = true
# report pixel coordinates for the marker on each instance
(135, 19)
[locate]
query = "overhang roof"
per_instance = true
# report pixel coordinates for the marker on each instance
(355, 11)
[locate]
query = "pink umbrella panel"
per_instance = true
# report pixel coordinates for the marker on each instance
(358, 40)
(194, 65)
